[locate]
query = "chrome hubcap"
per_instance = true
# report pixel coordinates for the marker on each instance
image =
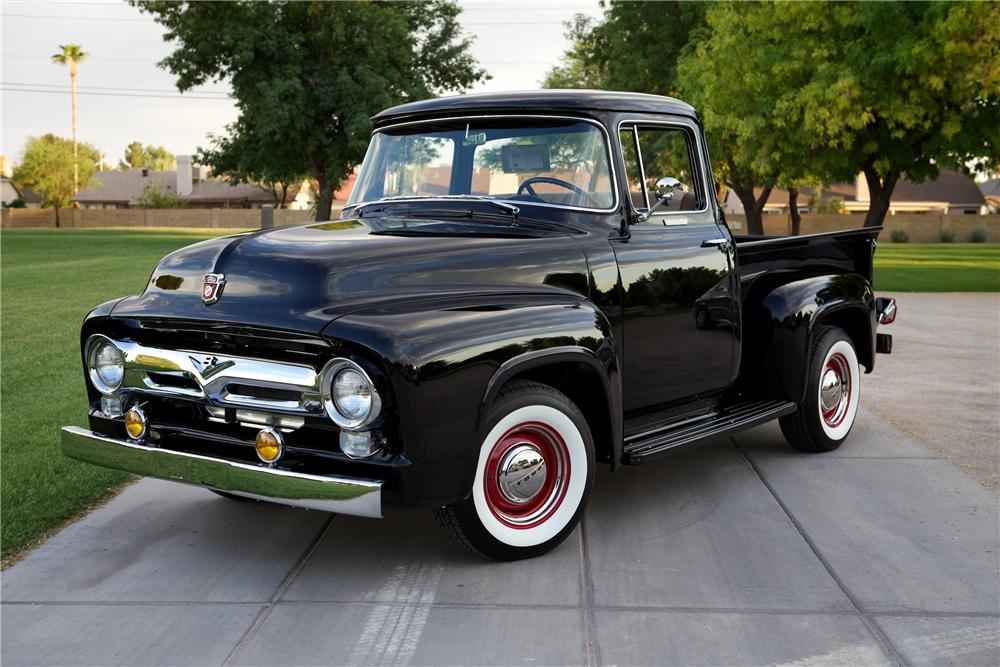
(522, 473)
(835, 390)
(831, 390)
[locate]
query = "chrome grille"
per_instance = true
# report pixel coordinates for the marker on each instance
(222, 380)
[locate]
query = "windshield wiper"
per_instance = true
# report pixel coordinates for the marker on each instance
(513, 210)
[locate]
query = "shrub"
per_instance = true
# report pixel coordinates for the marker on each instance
(947, 236)
(154, 197)
(899, 236)
(829, 206)
(978, 235)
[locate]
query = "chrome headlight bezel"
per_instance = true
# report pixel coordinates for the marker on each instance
(334, 368)
(94, 344)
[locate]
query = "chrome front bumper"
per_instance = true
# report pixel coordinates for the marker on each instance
(343, 495)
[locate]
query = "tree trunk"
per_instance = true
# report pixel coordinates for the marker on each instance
(284, 195)
(57, 215)
(793, 211)
(753, 207)
(324, 197)
(879, 192)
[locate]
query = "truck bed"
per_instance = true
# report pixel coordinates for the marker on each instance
(847, 251)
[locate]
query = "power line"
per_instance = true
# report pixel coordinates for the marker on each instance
(89, 58)
(154, 60)
(8, 89)
(74, 18)
(64, 88)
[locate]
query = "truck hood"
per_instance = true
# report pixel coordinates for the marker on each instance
(301, 278)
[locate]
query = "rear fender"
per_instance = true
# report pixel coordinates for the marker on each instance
(784, 318)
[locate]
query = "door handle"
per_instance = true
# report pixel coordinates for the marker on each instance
(721, 244)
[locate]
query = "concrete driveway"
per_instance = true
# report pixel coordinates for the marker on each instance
(743, 552)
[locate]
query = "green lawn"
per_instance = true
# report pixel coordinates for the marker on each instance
(50, 281)
(939, 267)
(52, 278)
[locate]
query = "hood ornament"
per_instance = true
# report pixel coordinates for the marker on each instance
(211, 290)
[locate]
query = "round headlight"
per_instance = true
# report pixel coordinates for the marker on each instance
(351, 398)
(352, 394)
(107, 365)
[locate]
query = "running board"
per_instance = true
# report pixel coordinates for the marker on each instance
(650, 445)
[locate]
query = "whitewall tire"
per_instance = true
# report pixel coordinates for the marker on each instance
(533, 476)
(833, 393)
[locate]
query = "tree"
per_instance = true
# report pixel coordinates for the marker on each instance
(915, 87)
(634, 47)
(72, 55)
(155, 158)
(746, 75)
(307, 76)
(240, 156)
(153, 197)
(794, 93)
(48, 168)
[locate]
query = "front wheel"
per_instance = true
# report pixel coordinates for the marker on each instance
(533, 476)
(833, 393)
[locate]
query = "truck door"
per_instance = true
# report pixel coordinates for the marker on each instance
(676, 267)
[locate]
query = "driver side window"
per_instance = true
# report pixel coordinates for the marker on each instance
(653, 152)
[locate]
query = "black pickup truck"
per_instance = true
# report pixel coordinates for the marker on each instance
(521, 286)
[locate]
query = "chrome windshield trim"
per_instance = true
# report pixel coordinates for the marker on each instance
(210, 375)
(580, 119)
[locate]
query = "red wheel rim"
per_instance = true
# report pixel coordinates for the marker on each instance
(834, 413)
(537, 509)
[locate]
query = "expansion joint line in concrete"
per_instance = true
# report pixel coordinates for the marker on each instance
(869, 621)
(278, 592)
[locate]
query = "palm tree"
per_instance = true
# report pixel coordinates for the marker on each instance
(72, 55)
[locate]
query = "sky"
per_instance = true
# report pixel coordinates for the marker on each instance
(123, 96)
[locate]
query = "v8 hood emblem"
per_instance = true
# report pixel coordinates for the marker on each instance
(211, 290)
(208, 366)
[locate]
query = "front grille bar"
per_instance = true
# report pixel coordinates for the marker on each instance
(211, 378)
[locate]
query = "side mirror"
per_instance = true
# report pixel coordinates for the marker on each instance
(664, 191)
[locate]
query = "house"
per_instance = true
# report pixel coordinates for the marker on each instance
(192, 183)
(952, 193)
(991, 191)
(10, 191)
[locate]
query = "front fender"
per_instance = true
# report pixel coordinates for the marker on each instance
(783, 320)
(445, 361)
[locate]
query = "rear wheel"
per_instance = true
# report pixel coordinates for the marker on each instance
(825, 417)
(533, 476)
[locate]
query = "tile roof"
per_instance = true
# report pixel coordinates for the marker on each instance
(951, 186)
(124, 187)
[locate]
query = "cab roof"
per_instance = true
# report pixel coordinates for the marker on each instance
(537, 100)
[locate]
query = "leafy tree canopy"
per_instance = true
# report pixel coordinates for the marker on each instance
(307, 76)
(242, 156)
(71, 55)
(634, 47)
(912, 88)
(152, 157)
(47, 168)
(795, 93)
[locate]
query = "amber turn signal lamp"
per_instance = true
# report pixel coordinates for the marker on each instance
(269, 445)
(135, 423)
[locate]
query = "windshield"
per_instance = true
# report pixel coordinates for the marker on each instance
(541, 161)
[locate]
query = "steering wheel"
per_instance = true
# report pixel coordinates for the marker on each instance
(526, 184)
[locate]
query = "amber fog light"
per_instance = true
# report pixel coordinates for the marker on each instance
(269, 445)
(135, 423)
